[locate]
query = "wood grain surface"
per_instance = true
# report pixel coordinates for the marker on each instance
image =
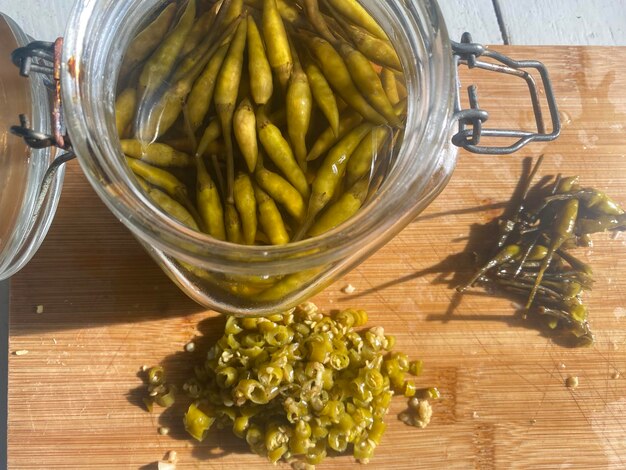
(108, 309)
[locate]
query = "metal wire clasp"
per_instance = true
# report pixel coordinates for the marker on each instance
(43, 58)
(471, 120)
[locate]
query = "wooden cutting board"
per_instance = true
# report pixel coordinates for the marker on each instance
(108, 309)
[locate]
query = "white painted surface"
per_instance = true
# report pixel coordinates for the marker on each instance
(475, 16)
(564, 22)
(575, 22)
(44, 20)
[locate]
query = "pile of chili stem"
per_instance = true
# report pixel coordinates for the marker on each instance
(532, 259)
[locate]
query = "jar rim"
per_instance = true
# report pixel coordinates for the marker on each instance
(91, 48)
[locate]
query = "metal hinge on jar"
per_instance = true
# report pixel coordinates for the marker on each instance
(44, 58)
(471, 120)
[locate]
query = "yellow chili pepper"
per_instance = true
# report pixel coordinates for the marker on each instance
(261, 82)
(278, 51)
(160, 64)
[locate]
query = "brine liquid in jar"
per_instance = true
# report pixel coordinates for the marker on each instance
(260, 122)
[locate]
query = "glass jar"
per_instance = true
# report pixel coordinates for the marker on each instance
(259, 279)
(25, 218)
(253, 280)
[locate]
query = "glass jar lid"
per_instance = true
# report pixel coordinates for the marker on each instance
(25, 217)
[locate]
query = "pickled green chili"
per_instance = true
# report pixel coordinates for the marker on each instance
(299, 83)
(298, 385)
